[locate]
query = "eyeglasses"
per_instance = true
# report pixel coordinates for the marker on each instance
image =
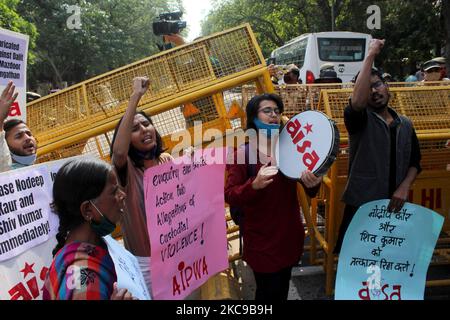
(268, 111)
(377, 85)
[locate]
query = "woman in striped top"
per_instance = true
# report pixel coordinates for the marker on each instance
(88, 202)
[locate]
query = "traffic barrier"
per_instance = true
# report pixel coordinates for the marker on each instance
(197, 76)
(429, 109)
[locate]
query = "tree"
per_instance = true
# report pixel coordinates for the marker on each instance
(412, 28)
(112, 34)
(11, 20)
(274, 22)
(445, 18)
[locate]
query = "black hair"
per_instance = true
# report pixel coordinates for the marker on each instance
(133, 153)
(11, 123)
(75, 182)
(373, 72)
(253, 106)
(295, 72)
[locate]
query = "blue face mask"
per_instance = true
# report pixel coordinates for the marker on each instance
(24, 160)
(104, 227)
(266, 126)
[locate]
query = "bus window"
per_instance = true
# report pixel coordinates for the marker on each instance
(293, 53)
(341, 49)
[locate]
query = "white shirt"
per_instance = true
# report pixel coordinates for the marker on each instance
(5, 155)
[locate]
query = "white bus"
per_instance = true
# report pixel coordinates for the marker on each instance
(346, 50)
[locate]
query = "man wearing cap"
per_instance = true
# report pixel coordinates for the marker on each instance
(432, 70)
(328, 76)
(387, 77)
(384, 153)
(441, 61)
(327, 66)
(291, 75)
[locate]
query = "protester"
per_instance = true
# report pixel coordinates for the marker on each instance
(289, 74)
(89, 202)
(411, 77)
(327, 66)
(292, 76)
(388, 77)
(443, 65)
(136, 146)
(432, 71)
(272, 228)
(328, 76)
(419, 74)
(384, 157)
(17, 144)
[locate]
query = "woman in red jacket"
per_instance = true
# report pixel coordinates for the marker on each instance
(272, 229)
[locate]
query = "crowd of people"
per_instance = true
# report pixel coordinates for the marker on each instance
(90, 196)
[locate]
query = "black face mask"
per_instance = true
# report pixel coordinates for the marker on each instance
(104, 227)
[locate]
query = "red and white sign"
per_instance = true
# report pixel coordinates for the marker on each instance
(27, 230)
(22, 278)
(305, 143)
(13, 67)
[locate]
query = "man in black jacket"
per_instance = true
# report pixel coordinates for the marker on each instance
(384, 157)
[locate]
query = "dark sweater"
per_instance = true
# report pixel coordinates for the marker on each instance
(273, 232)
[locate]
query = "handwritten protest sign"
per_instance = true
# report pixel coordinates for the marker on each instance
(186, 223)
(128, 273)
(385, 255)
(13, 67)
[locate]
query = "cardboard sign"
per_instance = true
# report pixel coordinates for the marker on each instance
(13, 67)
(385, 255)
(186, 222)
(129, 275)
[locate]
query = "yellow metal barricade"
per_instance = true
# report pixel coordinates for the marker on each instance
(199, 76)
(211, 80)
(429, 109)
(193, 88)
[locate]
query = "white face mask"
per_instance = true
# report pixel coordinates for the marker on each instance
(25, 160)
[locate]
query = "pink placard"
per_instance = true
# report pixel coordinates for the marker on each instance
(185, 210)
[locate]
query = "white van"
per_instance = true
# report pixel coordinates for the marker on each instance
(346, 50)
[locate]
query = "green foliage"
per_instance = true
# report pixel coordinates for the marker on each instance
(11, 20)
(412, 28)
(113, 33)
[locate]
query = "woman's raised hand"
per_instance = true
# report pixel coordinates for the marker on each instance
(140, 85)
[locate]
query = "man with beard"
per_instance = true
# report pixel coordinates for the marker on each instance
(17, 144)
(384, 157)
